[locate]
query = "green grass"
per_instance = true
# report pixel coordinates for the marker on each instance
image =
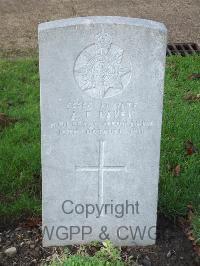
(106, 255)
(87, 261)
(20, 166)
(181, 123)
(20, 142)
(196, 228)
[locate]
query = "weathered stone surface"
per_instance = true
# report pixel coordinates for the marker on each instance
(101, 112)
(11, 252)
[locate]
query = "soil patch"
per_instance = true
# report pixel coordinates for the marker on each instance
(172, 247)
(20, 18)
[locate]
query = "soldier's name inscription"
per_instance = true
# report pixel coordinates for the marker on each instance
(110, 118)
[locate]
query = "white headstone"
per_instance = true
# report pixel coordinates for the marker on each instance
(101, 111)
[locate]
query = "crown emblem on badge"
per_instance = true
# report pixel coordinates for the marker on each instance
(103, 40)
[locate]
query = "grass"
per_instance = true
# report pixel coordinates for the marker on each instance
(106, 255)
(87, 261)
(181, 119)
(20, 178)
(20, 142)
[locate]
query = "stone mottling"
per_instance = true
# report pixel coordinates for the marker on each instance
(101, 112)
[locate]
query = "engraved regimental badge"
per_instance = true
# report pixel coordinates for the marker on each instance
(103, 69)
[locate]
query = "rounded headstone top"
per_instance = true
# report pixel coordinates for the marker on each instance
(102, 20)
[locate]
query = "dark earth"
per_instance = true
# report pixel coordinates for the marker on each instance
(20, 18)
(172, 247)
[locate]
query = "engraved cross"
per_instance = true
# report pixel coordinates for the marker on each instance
(101, 168)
